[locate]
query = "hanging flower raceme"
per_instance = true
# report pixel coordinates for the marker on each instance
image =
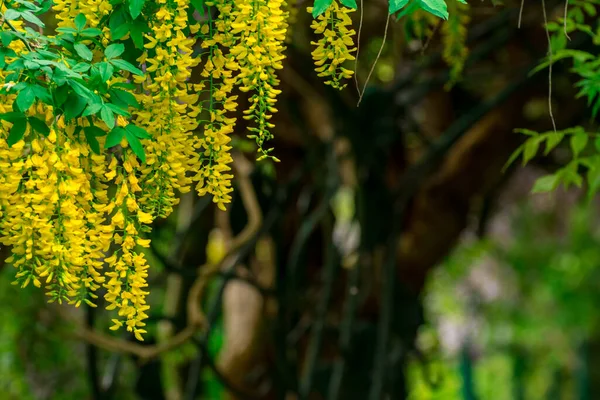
(219, 77)
(48, 203)
(261, 28)
(128, 267)
(336, 45)
(168, 110)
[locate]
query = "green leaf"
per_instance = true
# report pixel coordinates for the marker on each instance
(74, 106)
(11, 15)
(137, 131)
(6, 37)
(114, 50)
(198, 6)
(92, 109)
(26, 98)
(397, 5)
(80, 21)
(95, 131)
(136, 30)
(81, 89)
(12, 116)
(596, 143)
(320, 7)
(119, 31)
(84, 52)
(435, 7)
(114, 137)
(531, 148)
(350, 3)
(117, 110)
(124, 85)
(107, 115)
(552, 141)
(81, 67)
(106, 70)
(545, 184)
(593, 178)
(28, 4)
(570, 175)
(91, 32)
(578, 142)
(123, 98)
(119, 22)
(90, 136)
(67, 29)
(39, 126)
(30, 17)
(136, 145)
(135, 7)
(17, 131)
(60, 95)
(124, 65)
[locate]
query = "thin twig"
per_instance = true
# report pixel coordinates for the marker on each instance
(387, 23)
(521, 13)
(550, 56)
(360, 24)
(565, 19)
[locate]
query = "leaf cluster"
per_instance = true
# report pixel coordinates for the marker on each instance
(73, 73)
(439, 8)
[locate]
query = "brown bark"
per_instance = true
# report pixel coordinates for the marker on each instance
(439, 211)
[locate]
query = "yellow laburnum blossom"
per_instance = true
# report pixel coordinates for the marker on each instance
(54, 206)
(336, 45)
(171, 159)
(261, 28)
(219, 76)
(128, 270)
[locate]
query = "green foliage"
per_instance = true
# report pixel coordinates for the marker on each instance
(62, 72)
(585, 159)
(586, 65)
(584, 165)
(32, 345)
(439, 8)
(548, 275)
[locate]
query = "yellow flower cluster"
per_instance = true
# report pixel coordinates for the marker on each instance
(219, 76)
(76, 220)
(50, 213)
(56, 213)
(261, 29)
(94, 10)
(168, 110)
(336, 46)
(127, 268)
